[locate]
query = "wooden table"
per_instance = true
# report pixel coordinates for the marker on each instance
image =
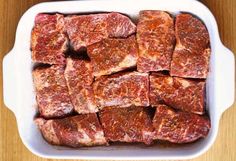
(12, 149)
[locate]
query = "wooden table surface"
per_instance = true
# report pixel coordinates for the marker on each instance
(12, 149)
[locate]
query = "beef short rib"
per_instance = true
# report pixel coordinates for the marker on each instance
(124, 90)
(79, 77)
(52, 93)
(179, 93)
(48, 39)
(113, 55)
(76, 131)
(156, 40)
(179, 127)
(132, 124)
(84, 30)
(192, 53)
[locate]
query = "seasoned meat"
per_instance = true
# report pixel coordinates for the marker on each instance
(179, 93)
(132, 124)
(51, 91)
(156, 40)
(84, 30)
(79, 77)
(48, 40)
(179, 127)
(76, 131)
(122, 90)
(113, 55)
(192, 53)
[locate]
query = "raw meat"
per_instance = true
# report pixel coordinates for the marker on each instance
(156, 40)
(113, 55)
(76, 131)
(179, 93)
(179, 127)
(122, 90)
(84, 30)
(51, 91)
(192, 53)
(132, 124)
(48, 39)
(79, 77)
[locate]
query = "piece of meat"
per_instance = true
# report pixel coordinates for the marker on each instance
(156, 40)
(192, 53)
(113, 55)
(179, 127)
(79, 77)
(76, 131)
(190, 64)
(183, 94)
(132, 124)
(84, 30)
(48, 39)
(51, 91)
(122, 89)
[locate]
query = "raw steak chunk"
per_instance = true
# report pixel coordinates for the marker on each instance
(76, 131)
(51, 92)
(179, 127)
(84, 30)
(156, 39)
(113, 55)
(192, 53)
(179, 93)
(132, 124)
(48, 40)
(79, 77)
(122, 90)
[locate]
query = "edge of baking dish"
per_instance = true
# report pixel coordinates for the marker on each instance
(19, 94)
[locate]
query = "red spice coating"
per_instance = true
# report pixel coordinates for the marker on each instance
(179, 127)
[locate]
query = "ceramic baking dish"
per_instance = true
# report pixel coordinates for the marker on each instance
(19, 94)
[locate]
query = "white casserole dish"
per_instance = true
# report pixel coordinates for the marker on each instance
(19, 94)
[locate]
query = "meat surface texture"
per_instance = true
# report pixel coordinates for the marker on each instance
(156, 40)
(179, 93)
(52, 94)
(132, 124)
(124, 90)
(76, 131)
(192, 53)
(179, 127)
(48, 39)
(79, 77)
(113, 55)
(84, 30)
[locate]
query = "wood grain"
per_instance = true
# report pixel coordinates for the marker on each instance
(12, 148)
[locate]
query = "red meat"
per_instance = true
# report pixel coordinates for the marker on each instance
(84, 30)
(192, 53)
(113, 55)
(51, 91)
(179, 93)
(132, 124)
(123, 90)
(156, 39)
(48, 40)
(179, 127)
(76, 131)
(79, 77)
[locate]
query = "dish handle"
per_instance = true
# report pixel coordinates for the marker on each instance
(226, 78)
(9, 81)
